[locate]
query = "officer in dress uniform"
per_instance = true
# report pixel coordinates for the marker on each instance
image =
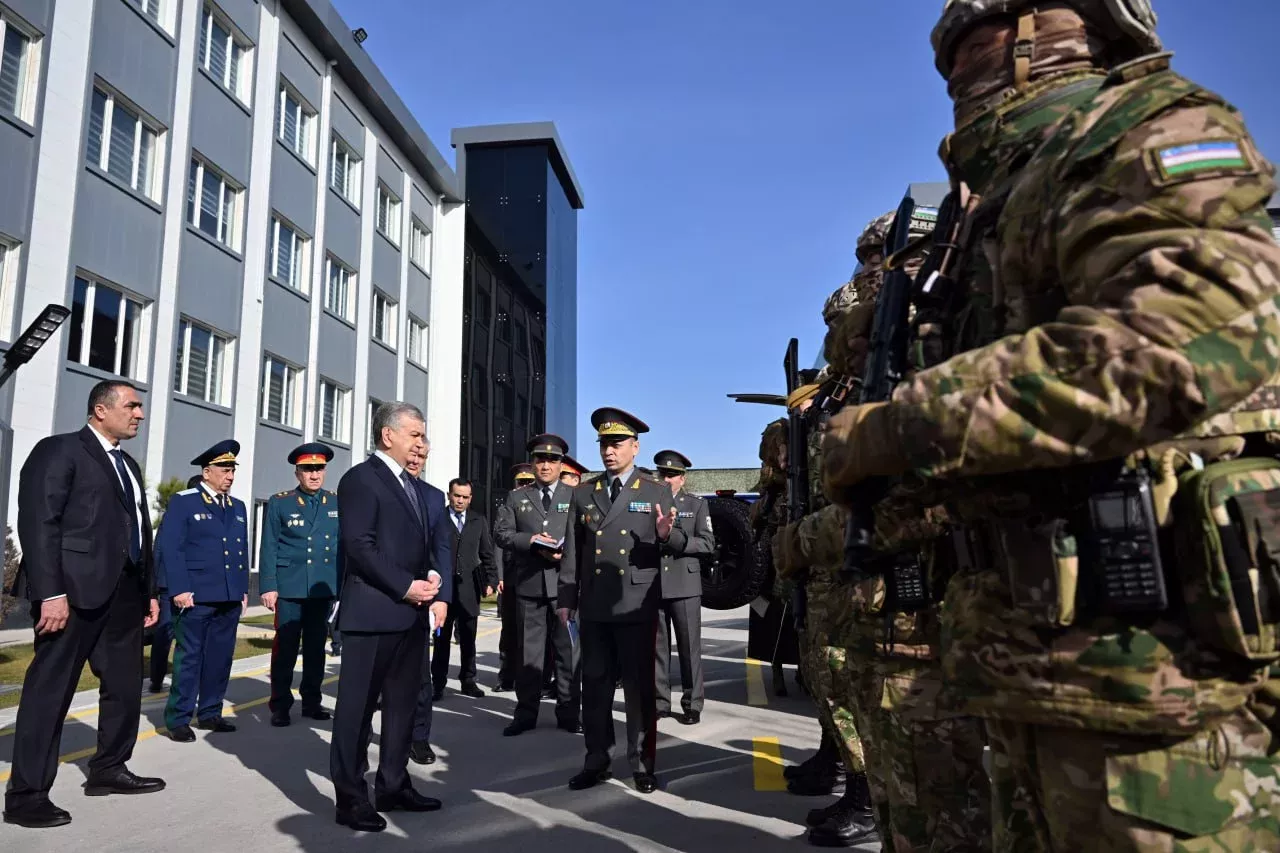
(299, 567)
(204, 543)
(682, 592)
(532, 523)
(620, 523)
(509, 653)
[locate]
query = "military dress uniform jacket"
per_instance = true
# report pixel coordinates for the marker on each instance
(204, 548)
(300, 555)
(612, 556)
(681, 569)
(525, 571)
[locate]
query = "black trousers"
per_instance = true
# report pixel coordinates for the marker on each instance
(610, 649)
(685, 614)
(539, 623)
(464, 625)
(509, 654)
(109, 638)
(375, 665)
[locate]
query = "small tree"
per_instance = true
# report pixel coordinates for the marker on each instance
(166, 490)
(11, 560)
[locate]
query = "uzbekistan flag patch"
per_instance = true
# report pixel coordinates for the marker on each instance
(1210, 155)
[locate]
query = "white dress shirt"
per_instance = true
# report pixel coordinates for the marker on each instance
(396, 470)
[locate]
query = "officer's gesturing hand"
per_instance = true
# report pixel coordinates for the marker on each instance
(664, 523)
(269, 600)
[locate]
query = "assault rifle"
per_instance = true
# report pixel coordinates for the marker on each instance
(797, 467)
(886, 364)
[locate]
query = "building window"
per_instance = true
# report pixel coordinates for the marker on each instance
(225, 54)
(19, 68)
(344, 170)
(535, 423)
(150, 8)
(290, 255)
(373, 439)
(339, 285)
(420, 246)
(281, 392)
(296, 123)
(479, 456)
(482, 307)
(522, 410)
(105, 329)
(8, 288)
(202, 365)
(388, 214)
(503, 326)
(384, 319)
(479, 386)
(122, 143)
(522, 337)
(213, 203)
(335, 412)
(416, 351)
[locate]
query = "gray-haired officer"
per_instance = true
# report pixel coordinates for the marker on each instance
(299, 567)
(620, 522)
(682, 592)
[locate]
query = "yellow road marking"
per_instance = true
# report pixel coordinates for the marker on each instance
(150, 733)
(766, 764)
(756, 694)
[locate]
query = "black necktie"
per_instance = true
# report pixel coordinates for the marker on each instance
(546, 498)
(614, 489)
(413, 495)
(135, 535)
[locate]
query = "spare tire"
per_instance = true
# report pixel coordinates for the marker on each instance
(740, 567)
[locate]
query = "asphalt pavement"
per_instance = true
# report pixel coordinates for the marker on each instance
(263, 789)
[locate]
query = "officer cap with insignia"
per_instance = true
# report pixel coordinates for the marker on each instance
(573, 466)
(311, 453)
(671, 462)
(615, 424)
(547, 444)
(522, 472)
(221, 455)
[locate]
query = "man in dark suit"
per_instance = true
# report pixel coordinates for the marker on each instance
(87, 570)
(204, 545)
(474, 576)
(532, 523)
(609, 576)
(682, 592)
(388, 581)
(442, 536)
(509, 653)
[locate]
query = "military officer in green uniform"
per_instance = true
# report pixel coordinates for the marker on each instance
(299, 567)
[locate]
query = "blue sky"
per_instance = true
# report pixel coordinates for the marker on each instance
(730, 151)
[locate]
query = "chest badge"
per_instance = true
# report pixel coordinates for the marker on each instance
(640, 506)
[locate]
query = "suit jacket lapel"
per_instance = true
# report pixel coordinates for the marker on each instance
(100, 456)
(600, 494)
(395, 486)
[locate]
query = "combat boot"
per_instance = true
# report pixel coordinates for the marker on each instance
(826, 752)
(852, 820)
(826, 777)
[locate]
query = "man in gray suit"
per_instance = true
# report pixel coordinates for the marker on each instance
(682, 592)
(609, 578)
(531, 524)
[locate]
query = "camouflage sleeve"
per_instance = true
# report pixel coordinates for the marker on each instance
(819, 538)
(1172, 283)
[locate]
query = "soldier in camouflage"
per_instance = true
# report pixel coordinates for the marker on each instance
(1118, 305)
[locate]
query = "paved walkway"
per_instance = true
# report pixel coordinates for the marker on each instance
(267, 790)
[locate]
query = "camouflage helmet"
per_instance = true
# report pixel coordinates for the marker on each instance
(1131, 23)
(874, 235)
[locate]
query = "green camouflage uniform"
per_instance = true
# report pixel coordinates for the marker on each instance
(1139, 297)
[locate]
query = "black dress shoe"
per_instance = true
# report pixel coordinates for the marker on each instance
(663, 713)
(407, 800)
(691, 718)
(120, 781)
(280, 719)
(574, 727)
(646, 783)
(215, 724)
(317, 713)
(589, 779)
(473, 690)
(182, 734)
(518, 727)
(502, 688)
(361, 817)
(41, 815)
(437, 694)
(422, 753)
(155, 688)
(548, 693)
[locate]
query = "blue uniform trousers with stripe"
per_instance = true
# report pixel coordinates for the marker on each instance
(205, 639)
